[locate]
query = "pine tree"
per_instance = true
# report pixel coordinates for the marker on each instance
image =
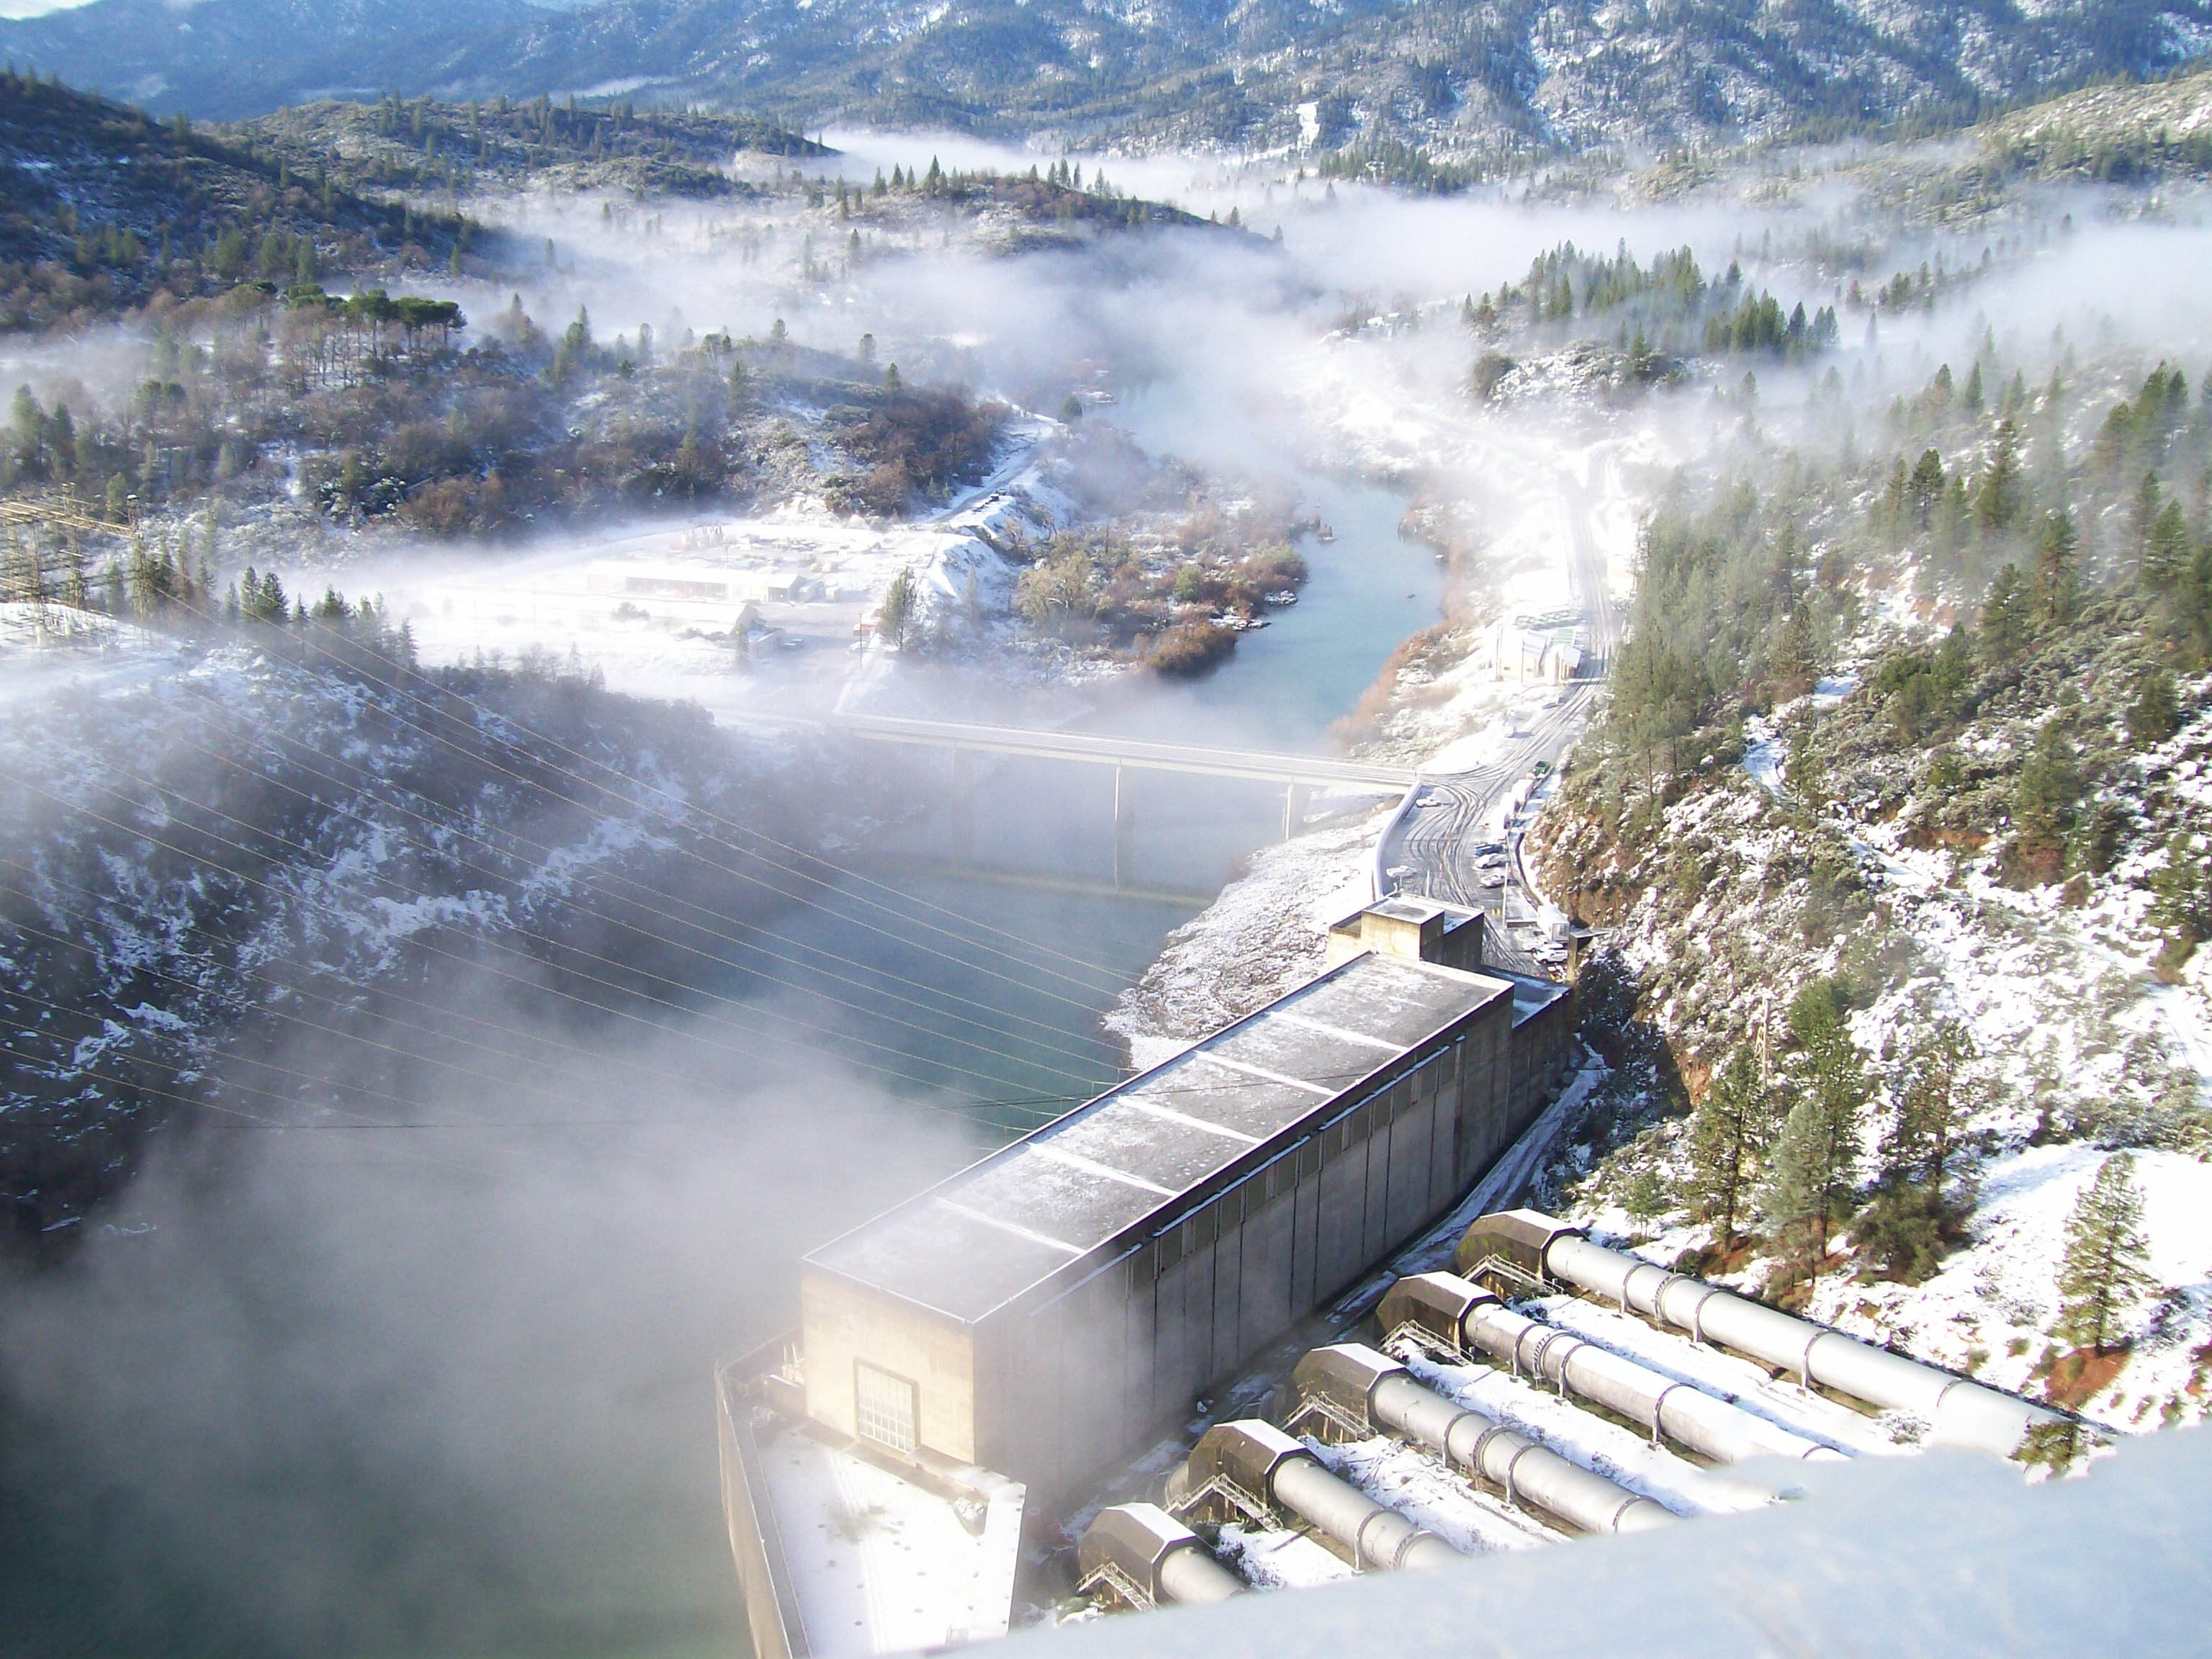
(1728, 1130)
(1997, 504)
(1924, 488)
(896, 615)
(1812, 1173)
(2058, 588)
(1808, 1181)
(2048, 788)
(2005, 618)
(2104, 1270)
(2166, 549)
(2155, 714)
(1904, 1228)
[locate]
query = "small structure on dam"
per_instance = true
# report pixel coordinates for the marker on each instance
(1048, 1311)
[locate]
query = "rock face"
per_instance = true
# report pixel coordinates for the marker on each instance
(1458, 79)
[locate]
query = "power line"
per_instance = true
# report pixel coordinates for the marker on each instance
(738, 940)
(322, 1030)
(497, 717)
(1056, 1104)
(527, 983)
(578, 951)
(386, 993)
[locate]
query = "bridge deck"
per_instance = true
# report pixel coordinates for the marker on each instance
(1266, 767)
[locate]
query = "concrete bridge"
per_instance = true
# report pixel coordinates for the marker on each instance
(1299, 775)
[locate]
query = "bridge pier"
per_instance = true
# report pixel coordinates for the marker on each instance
(1125, 827)
(1294, 809)
(960, 811)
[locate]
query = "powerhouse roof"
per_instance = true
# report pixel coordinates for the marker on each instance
(1004, 1225)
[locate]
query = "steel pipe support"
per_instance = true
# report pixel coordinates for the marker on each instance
(1962, 1414)
(1260, 1459)
(1353, 1377)
(1483, 1324)
(1146, 1547)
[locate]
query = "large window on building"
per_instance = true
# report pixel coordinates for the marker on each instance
(887, 1407)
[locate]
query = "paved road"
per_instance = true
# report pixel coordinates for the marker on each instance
(1432, 848)
(1434, 843)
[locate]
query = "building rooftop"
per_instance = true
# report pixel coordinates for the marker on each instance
(975, 1242)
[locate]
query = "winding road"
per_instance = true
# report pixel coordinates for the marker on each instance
(1432, 849)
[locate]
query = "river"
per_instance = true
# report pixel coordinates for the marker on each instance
(451, 1396)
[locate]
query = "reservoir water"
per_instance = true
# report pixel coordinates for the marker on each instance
(1033, 855)
(449, 1394)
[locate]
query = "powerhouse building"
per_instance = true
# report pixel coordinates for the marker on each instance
(1044, 1312)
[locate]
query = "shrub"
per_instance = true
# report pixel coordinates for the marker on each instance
(1191, 649)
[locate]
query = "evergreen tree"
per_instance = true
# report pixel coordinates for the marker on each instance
(2048, 790)
(1904, 1228)
(1808, 1183)
(2005, 618)
(1998, 503)
(1728, 1130)
(1925, 487)
(2166, 549)
(1812, 1173)
(2104, 1271)
(2056, 587)
(2155, 714)
(896, 615)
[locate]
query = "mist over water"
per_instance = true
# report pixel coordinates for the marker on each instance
(440, 1391)
(448, 1390)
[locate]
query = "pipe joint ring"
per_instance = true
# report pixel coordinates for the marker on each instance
(1475, 1452)
(1698, 1313)
(1805, 1360)
(1366, 1557)
(1512, 1465)
(1659, 1409)
(1406, 1545)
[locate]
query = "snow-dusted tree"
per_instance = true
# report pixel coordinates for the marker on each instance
(1809, 1181)
(1933, 1095)
(2104, 1271)
(1811, 1174)
(897, 615)
(1728, 1130)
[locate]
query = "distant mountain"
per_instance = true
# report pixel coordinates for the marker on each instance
(220, 59)
(1456, 78)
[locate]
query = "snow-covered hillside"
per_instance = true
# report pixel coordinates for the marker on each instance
(2079, 1051)
(234, 878)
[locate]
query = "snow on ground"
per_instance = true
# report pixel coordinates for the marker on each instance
(2078, 1045)
(1268, 1559)
(879, 1564)
(1418, 1485)
(1987, 1309)
(1562, 1423)
(1261, 936)
(735, 612)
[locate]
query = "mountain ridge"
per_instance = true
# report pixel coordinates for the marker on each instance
(1463, 78)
